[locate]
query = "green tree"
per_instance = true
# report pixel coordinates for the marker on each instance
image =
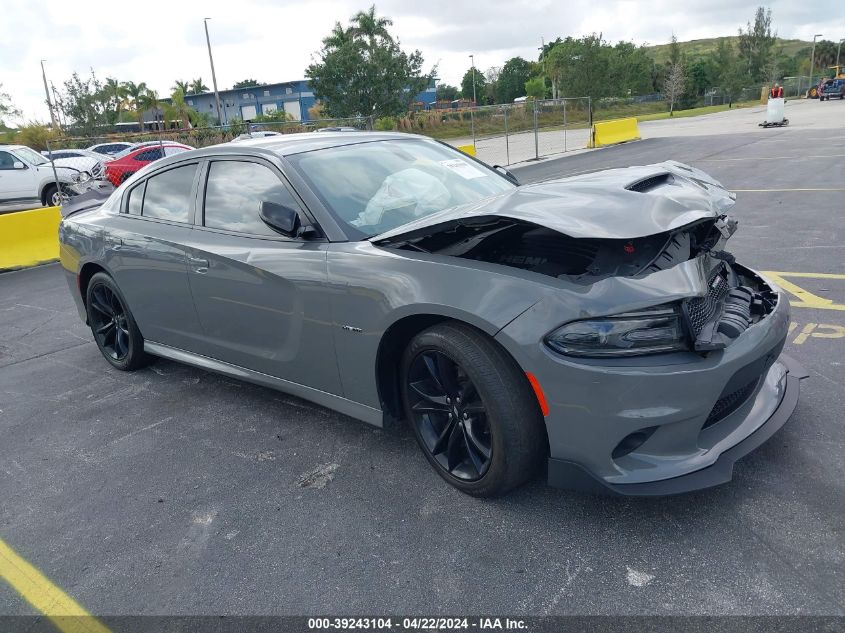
(245, 83)
(148, 101)
(447, 93)
(362, 70)
(582, 67)
(511, 84)
(629, 70)
(536, 88)
(480, 86)
(755, 44)
(82, 104)
(196, 86)
(178, 109)
(6, 107)
(135, 95)
(113, 97)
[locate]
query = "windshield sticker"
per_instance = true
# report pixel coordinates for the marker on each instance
(464, 170)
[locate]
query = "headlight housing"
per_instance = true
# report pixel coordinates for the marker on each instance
(654, 331)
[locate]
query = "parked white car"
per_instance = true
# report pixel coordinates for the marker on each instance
(27, 175)
(89, 162)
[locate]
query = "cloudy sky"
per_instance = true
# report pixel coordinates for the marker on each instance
(273, 40)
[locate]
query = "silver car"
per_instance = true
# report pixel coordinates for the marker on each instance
(595, 326)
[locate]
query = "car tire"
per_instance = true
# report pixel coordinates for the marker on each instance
(113, 326)
(48, 196)
(492, 441)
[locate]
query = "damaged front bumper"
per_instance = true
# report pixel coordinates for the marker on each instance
(665, 423)
(785, 373)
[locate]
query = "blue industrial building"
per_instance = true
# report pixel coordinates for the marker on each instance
(295, 97)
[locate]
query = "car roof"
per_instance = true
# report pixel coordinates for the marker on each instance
(288, 144)
(5, 146)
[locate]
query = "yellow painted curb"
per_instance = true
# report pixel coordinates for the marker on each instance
(613, 132)
(29, 237)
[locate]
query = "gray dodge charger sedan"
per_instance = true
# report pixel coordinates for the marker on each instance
(595, 326)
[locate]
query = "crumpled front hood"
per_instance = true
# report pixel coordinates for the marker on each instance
(623, 203)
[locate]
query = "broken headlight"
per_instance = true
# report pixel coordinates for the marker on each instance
(654, 331)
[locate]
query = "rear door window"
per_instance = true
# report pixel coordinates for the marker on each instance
(168, 194)
(136, 198)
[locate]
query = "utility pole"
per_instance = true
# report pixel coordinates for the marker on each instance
(812, 61)
(213, 75)
(542, 50)
(47, 92)
(838, 50)
(471, 117)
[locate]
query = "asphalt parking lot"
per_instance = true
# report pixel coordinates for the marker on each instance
(175, 491)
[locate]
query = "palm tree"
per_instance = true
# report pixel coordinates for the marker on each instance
(184, 86)
(197, 86)
(149, 101)
(114, 96)
(178, 109)
(136, 92)
(368, 24)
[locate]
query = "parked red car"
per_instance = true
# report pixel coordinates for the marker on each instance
(120, 169)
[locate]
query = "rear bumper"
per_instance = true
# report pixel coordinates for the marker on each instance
(570, 475)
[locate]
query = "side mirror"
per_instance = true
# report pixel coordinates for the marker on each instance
(18, 165)
(507, 174)
(285, 220)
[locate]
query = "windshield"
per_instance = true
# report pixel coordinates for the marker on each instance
(31, 156)
(377, 186)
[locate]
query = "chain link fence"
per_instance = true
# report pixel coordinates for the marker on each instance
(512, 133)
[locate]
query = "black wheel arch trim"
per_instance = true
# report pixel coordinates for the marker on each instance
(573, 476)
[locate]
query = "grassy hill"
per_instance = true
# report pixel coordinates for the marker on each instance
(697, 48)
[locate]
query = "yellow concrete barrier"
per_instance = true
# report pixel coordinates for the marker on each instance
(29, 237)
(467, 149)
(613, 132)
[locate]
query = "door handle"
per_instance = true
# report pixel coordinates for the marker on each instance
(199, 265)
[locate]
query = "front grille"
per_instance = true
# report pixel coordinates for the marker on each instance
(728, 404)
(702, 310)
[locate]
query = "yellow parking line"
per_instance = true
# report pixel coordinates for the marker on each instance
(62, 610)
(806, 298)
(807, 275)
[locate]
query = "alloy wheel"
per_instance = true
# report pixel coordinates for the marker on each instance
(109, 322)
(449, 415)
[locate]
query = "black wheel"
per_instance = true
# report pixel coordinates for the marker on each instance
(112, 324)
(52, 196)
(472, 410)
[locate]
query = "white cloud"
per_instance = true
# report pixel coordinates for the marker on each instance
(273, 40)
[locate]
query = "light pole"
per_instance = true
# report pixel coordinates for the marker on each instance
(47, 92)
(472, 109)
(838, 50)
(812, 61)
(220, 118)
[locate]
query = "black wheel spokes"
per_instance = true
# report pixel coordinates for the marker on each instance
(449, 415)
(109, 322)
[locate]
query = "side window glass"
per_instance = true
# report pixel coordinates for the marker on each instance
(136, 197)
(168, 195)
(7, 161)
(234, 193)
